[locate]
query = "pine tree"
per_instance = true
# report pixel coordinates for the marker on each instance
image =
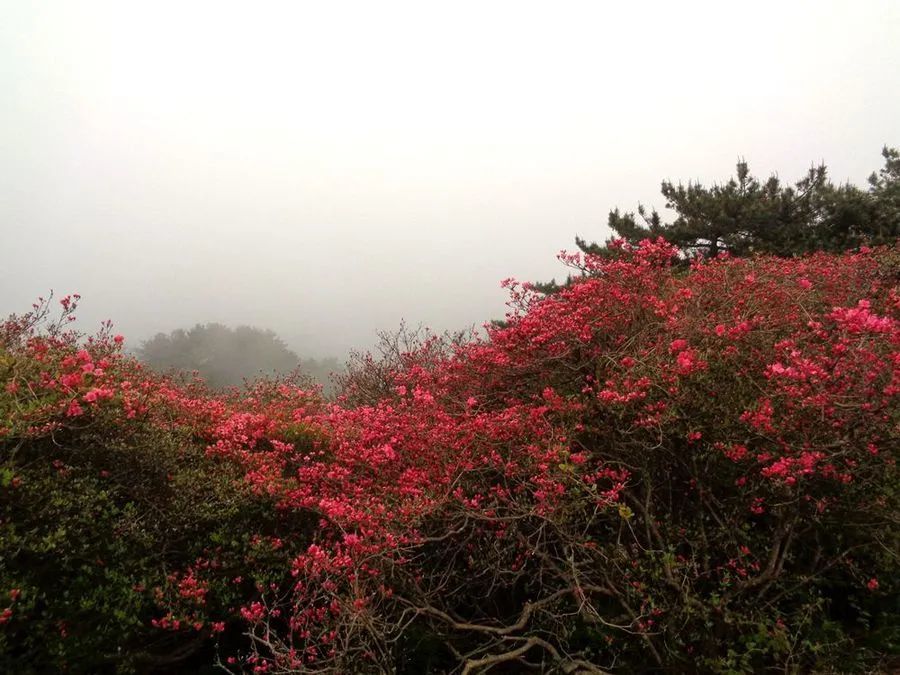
(746, 215)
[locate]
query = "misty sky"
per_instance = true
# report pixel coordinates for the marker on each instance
(326, 169)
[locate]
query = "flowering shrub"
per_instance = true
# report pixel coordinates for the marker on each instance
(123, 547)
(655, 468)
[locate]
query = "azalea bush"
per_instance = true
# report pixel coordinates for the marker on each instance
(123, 546)
(656, 468)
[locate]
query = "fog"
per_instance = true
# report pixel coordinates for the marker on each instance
(328, 169)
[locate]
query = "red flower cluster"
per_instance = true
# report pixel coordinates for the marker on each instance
(609, 456)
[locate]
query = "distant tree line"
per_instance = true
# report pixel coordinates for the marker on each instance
(228, 357)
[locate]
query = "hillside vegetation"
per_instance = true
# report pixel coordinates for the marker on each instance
(656, 467)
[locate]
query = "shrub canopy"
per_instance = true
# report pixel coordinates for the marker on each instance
(654, 468)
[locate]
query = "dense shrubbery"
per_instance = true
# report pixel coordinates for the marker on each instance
(111, 510)
(652, 468)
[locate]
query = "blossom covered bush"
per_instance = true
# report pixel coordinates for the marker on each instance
(654, 468)
(123, 547)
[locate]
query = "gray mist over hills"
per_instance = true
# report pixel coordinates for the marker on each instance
(327, 170)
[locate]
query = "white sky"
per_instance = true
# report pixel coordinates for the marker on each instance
(326, 169)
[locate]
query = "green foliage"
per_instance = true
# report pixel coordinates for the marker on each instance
(95, 518)
(746, 215)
